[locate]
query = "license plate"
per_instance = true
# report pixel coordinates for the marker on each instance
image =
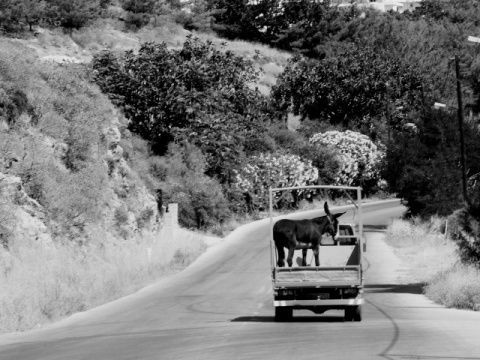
(323, 296)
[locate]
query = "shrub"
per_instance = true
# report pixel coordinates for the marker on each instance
(13, 103)
(121, 216)
(136, 21)
(144, 217)
(325, 159)
(187, 185)
(77, 198)
(457, 287)
(276, 170)
(360, 157)
(7, 224)
(466, 231)
(72, 14)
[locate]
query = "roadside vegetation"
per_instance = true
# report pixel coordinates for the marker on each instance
(111, 108)
(431, 252)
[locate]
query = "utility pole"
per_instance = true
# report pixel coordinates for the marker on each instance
(460, 126)
(387, 112)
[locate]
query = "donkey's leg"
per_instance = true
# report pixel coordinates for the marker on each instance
(281, 255)
(304, 255)
(291, 251)
(316, 252)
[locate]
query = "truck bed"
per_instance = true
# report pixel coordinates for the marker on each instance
(340, 266)
(317, 276)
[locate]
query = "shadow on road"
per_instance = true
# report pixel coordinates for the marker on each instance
(414, 288)
(295, 319)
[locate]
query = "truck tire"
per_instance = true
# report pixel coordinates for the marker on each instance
(283, 313)
(357, 314)
(353, 313)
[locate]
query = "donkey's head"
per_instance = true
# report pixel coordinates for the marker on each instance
(332, 224)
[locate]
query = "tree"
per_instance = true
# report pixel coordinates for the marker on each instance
(302, 25)
(198, 93)
(233, 19)
(11, 13)
(72, 14)
(139, 6)
(33, 11)
(423, 168)
(351, 88)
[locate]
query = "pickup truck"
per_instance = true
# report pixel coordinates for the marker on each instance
(336, 284)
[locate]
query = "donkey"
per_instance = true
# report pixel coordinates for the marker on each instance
(303, 234)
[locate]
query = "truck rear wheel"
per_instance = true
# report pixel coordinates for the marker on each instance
(353, 313)
(283, 313)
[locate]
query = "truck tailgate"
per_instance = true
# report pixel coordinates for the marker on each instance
(317, 276)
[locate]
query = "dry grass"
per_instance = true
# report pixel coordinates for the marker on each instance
(457, 287)
(433, 260)
(42, 283)
(422, 247)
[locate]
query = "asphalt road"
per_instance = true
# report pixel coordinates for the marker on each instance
(221, 308)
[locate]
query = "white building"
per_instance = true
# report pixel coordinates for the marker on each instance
(387, 5)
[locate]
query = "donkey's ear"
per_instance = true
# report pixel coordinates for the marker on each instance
(338, 215)
(327, 210)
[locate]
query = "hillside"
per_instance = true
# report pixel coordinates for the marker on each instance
(79, 219)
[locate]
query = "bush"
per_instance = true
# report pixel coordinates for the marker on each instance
(13, 103)
(457, 287)
(325, 159)
(72, 14)
(276, 171)
(465, 229)
(198, 196)
(360, 158)
(135, 21)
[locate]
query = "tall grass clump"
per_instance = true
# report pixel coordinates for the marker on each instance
(42, 283)
(458, 287)
(422, 246)
(434, 259)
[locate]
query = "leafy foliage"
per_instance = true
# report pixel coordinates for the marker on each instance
(360, 158)
(465, 226)
(351, 89)
(13, 103)
(73, 14)
(424, 168)
(455, 11)
(276, 170)
(197, 93)
(302, 25)
(186, 184)
(325, 159)
(70, 14)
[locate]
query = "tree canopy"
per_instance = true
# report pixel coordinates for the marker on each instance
(355, 89)
(197, 93)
